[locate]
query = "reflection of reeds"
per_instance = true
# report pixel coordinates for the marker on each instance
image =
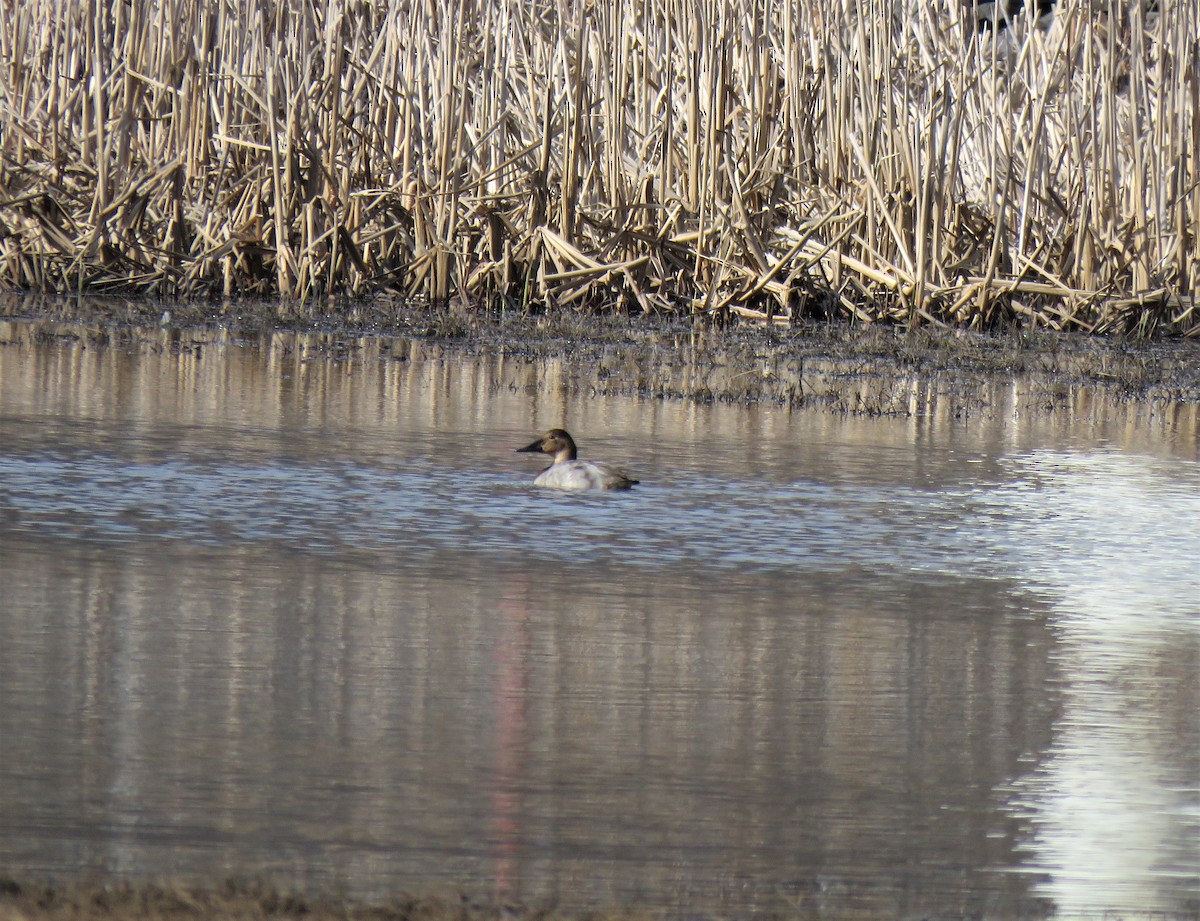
(770, 160)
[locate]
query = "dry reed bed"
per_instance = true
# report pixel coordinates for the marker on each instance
(869, 158)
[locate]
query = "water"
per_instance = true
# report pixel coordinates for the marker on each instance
(274, 610)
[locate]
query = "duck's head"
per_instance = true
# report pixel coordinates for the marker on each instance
(556, 443)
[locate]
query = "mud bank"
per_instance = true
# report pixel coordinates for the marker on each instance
(835, 367)
(236, 901)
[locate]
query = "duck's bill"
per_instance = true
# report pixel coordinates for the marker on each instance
(536, 447)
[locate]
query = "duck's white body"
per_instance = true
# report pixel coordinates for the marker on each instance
(568, 473)
(577, 474)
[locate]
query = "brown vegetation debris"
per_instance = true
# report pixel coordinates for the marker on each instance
(775, 161)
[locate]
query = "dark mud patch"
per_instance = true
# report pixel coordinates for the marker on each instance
(837, 367)
(252, 901)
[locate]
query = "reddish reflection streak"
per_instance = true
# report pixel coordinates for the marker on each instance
(512, 653)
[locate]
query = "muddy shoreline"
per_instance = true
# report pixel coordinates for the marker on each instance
(234, 901)
(836, 367)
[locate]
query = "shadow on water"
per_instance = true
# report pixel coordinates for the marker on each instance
(278, 612)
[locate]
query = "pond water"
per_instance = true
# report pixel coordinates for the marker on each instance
(277, 608)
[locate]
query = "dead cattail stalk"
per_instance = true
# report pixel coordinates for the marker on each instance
(649, 153)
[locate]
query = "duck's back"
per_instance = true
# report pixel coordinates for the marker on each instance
(578, 474)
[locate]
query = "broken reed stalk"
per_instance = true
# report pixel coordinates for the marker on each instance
(868, 159)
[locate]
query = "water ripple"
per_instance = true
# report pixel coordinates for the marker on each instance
(405, 513)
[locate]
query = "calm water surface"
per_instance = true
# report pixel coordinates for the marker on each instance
(268, 610)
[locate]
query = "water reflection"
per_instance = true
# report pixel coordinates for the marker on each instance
(268, 612)
(1116, 557)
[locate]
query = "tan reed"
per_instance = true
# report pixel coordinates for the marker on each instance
(770, 160)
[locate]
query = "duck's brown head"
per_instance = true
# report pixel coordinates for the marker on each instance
(556, 442)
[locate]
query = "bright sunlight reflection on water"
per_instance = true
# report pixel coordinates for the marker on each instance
(1115, 552)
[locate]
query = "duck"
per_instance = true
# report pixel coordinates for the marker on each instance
(569, 473)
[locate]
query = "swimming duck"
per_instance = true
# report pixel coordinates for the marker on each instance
(568, 473)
